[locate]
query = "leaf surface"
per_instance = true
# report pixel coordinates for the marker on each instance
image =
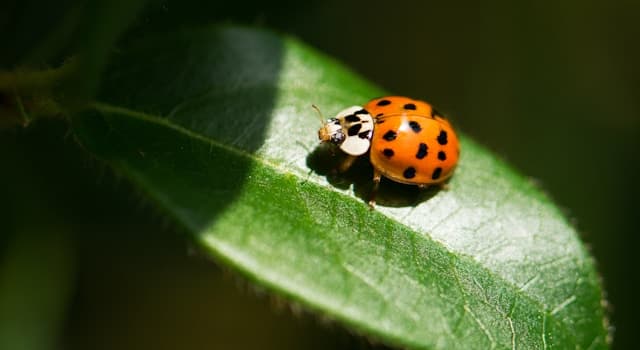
(214, 125)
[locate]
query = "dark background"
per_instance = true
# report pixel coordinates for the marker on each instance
(551, 87)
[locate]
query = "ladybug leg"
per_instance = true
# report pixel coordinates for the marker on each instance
(346, 163)
(374, 190)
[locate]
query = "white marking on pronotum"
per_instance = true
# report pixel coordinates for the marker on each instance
(351, 129)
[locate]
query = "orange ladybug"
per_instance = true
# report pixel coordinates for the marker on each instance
(408, 140)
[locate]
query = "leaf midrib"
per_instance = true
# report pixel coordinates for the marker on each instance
(167, 123)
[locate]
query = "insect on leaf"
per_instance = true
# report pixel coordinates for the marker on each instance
(214, 125)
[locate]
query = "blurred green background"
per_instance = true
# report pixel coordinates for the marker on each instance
(552, 87)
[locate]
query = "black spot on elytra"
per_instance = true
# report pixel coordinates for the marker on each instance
(410, 106)
(422, 151)
(442, 155)
(409, 173)
(352, 118)
(390, 135)
(442, 138)
(383, 103)
(354, 129)
(362, 111)
(388, 152)
(365, 134)
(415, 126)
(436, 173)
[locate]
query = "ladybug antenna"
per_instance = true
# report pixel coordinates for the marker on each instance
(319, 113)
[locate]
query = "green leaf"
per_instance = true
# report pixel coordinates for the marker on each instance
(214, 126)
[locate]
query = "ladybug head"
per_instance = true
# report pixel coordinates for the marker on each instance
(331, 131)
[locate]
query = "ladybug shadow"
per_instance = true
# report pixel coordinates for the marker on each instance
(326, 159)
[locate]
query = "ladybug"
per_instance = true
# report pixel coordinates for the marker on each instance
(408, 141)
